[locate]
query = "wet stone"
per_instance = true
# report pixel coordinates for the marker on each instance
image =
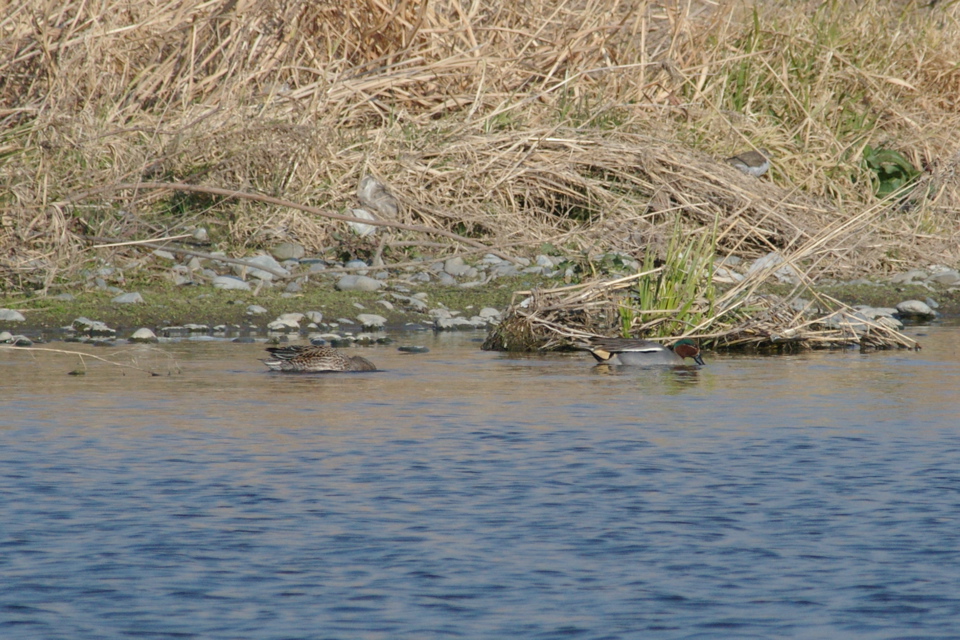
(143, 335)
(92, 328)
(915, 309)
(413, 349)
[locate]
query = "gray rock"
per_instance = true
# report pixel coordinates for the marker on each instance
(454, 324)
(143, 335)
(436, 267)
(360, 265)
(287, 251)
(446, 279)
(491, 259)
(261, 260)
(890, 323)
(229, 282)
(194, 327)
(933, 304)
(371, 321)
(293, 286)
(11, 315)
(915, 309)
(317, 267)
(358, 283)
(909, 276)
(455, 266)
(386, 304)
(255, 310)
(128, 298)
(948, 277)
(200, 234)
(5, 337)
(291, 318)
(784, 274)
(545, 261)
(855, 322)
(489, 313)
(283, 326)
(410, 301)
(359, 228)
(506, 270)
(440, 314)
(420, 277)
(164, 255)
(66, 297)
(314, 316)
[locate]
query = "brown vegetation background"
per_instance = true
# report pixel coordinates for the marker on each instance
(591, 124)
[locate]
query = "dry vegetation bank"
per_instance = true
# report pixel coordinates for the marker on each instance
(591, 124)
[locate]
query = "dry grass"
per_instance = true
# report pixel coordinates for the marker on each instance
(591, 124)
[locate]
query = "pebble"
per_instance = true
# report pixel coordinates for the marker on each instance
(11, 315)
(446, 279)
(229, 282)
(164, 255)
(314, 316)
(5, 337)
(256, 310)
(129, 298)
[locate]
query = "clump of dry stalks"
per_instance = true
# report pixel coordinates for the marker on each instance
(591, 125)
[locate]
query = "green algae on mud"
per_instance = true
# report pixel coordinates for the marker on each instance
(169, 305)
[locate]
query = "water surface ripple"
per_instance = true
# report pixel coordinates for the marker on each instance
(461, 494)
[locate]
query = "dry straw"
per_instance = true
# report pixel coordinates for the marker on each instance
(591, 125)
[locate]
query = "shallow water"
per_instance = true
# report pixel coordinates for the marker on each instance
(464, 494)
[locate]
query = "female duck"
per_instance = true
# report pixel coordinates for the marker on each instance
(314, 359)
(643, 353)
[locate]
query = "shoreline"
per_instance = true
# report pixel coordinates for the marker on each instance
(190, 311)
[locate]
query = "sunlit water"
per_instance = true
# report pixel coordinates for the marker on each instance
(464, 494)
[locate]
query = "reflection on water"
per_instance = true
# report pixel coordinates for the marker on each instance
(468, 494)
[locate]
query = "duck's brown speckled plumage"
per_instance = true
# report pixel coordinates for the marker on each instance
(315, 359)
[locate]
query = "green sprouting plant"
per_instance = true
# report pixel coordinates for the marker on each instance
(890, 171)
(676, 296)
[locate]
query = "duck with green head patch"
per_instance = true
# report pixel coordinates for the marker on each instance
(642, 353)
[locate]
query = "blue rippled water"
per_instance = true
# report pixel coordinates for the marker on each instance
(461, 494)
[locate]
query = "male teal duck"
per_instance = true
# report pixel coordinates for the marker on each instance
(314, 359)
(642, 353)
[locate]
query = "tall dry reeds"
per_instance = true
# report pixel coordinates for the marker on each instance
(590, 124)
